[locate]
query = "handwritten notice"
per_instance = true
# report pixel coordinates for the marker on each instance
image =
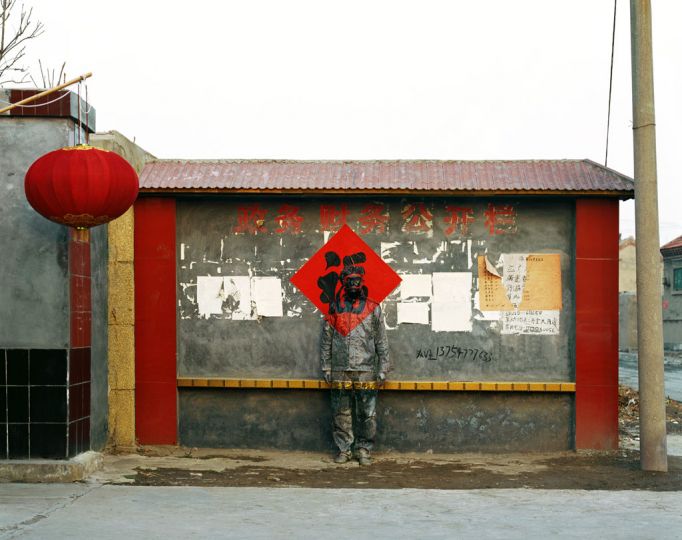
(453, 352)
(514, 276)
(529, 282)
(492, 294)
(537, 322)
(542, 290)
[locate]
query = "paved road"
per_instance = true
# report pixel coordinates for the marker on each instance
(627, 373)
(87, 511)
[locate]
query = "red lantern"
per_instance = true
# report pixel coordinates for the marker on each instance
(81, 186)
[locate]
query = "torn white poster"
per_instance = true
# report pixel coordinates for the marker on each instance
(237, 303)
(415, 285)
(413, 312)
(484, 315)
(545, 322)
(490, 267)
(451, 306)
(210, 295)
(267, 296)
(387, 249)
(514, 276)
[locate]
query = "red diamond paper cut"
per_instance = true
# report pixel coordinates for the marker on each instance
(320, 278)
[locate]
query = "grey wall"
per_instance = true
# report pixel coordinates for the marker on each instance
(99, 383)
(34, 294)
(407, 421)
(282, 347)
(287, 347)
(627, 321)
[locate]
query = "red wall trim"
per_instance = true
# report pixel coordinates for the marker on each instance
(155, 327)
(79, 287)
(596, 324)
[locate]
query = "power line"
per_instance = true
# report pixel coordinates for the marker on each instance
(608, 115)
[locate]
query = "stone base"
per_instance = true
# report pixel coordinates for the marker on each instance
(50, 470)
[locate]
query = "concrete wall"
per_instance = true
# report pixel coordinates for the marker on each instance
(46, 358)
(672, 306)
(99, 403)
(210, 244)
(627, 321)
(407, 421)
(34, 301)
(34, 298)
(627, 286)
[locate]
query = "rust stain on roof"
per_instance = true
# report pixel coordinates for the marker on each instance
(429, 176)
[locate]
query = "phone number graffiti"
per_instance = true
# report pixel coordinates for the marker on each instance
(453, 352)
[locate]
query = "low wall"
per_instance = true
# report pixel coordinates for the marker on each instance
(407, 421)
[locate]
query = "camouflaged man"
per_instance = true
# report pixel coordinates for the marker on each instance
(354, 360)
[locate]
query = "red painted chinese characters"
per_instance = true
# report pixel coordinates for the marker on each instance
(81, 186)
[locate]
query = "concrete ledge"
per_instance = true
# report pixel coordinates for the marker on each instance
(50, 470)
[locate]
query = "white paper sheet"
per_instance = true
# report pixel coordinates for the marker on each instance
(415, 285)
(267, 294)
(237, 292)
(514, 276)
(451, 305)
(386, 248)
(413, 312)
(210, 295)
(484, 315)
(545, 322)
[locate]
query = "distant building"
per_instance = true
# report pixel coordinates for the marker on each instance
(627, 289)
(672, 294)
(627, 269)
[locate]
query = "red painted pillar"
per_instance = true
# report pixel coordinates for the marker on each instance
(596, 324)
(80, 341)
(155, 328)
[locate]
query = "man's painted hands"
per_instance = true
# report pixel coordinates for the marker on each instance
(327, 376)
(381, 378)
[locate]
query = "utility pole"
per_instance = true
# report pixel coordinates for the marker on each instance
(652, 437)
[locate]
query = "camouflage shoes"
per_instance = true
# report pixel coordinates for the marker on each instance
(342, 457)
(363, 457)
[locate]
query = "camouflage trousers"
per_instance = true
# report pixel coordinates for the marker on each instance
(354, 391)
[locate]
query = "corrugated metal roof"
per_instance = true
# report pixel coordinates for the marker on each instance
(428, 176)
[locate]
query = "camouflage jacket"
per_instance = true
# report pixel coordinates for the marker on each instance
(364, 348)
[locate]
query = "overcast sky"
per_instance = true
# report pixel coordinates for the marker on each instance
(372, 79)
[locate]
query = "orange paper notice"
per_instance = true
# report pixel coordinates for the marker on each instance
(492, 295)
(528, 282)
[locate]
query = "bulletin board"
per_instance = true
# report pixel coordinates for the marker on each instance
(486, 288)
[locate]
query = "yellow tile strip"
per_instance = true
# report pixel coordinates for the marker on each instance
(438, 386)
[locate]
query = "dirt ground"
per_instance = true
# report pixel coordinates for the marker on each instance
(176, 466)
(628, 413)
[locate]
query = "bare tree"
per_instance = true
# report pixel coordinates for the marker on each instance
(49, 77)
(13, 41)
